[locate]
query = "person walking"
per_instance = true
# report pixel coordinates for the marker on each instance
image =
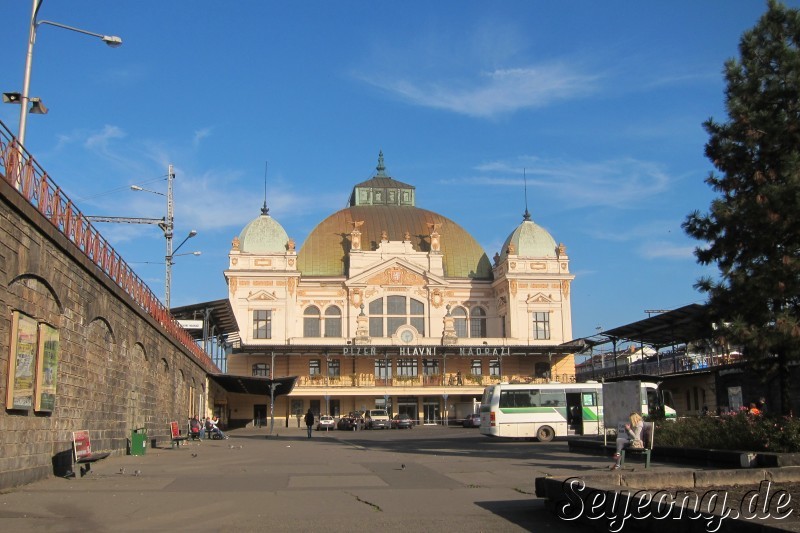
(309, 421)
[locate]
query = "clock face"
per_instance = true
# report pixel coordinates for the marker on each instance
(407, 336)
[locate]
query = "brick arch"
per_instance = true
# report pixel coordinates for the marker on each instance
(36, 290)
(138, 390)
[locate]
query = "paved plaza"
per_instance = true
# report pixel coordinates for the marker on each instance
(424, 479)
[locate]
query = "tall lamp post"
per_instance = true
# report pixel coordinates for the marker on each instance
(23, 99)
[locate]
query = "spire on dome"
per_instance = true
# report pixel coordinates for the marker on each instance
(265, 209)
(527, 216)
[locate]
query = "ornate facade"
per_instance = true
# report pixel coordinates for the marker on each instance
(387, 304)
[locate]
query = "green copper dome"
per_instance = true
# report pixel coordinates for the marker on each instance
(263, 235)
(324, 252)
(530, 240)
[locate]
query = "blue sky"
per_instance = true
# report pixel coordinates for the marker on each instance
(600, 102)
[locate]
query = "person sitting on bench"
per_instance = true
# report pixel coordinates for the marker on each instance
(195, 429)
(632, 438)
(213, 429)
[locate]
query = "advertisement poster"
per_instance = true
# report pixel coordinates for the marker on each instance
(21, 362)
(46, 369)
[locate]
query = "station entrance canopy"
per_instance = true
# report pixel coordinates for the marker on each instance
(258, 385)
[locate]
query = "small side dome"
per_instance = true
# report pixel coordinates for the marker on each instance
(263, 235)
(530, 240)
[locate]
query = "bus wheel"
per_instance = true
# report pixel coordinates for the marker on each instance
(545, 434)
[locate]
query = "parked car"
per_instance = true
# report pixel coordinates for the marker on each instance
(347, 423)
(402, 421)
(326, 422)
(472, 421)
(378, 418)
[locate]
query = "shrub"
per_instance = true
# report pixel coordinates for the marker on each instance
(739, 431)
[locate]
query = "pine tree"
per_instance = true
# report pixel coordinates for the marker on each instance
(752, 230)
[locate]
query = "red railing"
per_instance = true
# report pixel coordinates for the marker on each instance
(25, 175)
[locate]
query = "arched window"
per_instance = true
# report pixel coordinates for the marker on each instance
(386, 315)
(477, 323)
(311, 322)
(333, 322)
(460, 322)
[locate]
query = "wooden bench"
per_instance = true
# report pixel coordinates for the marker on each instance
(175, 434)
(648, 431)
(82, 450)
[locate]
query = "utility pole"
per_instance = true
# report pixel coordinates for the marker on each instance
(169, 225)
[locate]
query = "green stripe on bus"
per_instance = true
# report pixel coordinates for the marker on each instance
(589, 414)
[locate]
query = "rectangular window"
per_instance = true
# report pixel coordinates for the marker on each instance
(314, 368)
(311, 326)
(519, 398)
(333, 326)
(476, 367)
(406, 367)
(334, 368)
(460, 325)
(494, 367)
(392, 323)
(430, 367)
(541, 326)
(262, 324)
(553, 398)
(375, 326)
(396, 305)
(477, 327)
(261, 369)
(383, 369)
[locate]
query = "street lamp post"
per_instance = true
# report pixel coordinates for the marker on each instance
(111, 40)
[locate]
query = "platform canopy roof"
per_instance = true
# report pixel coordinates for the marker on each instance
(221, 320)
(678, 326)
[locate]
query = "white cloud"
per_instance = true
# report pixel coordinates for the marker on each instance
(620, 183)
(99, 141)
(199, 135)
(495, 92)
(666, 250)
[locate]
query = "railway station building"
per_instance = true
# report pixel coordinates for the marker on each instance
(390, 305)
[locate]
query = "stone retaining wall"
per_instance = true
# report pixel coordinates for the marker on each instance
(117, 368)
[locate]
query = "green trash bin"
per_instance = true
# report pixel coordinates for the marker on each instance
(138, 441)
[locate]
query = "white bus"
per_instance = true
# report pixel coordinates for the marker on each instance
(552, 410)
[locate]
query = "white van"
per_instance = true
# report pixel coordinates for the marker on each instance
(378, 418)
